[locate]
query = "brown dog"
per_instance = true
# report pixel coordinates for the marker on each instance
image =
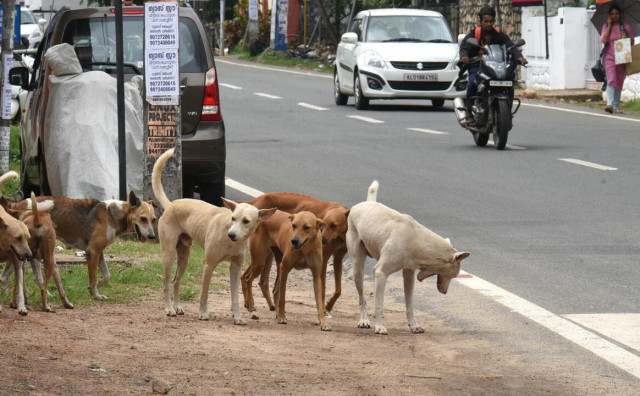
(14, 247)
(42, 244)
(296, 242)
(92, 225)
(333, 214)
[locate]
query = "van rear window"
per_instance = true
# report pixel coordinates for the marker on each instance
(94, 40)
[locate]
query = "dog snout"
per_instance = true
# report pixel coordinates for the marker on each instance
(295, 242)
(324, 241)
(232, 236)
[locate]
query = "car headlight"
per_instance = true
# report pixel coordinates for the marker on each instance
(454, 65)
(374, 60)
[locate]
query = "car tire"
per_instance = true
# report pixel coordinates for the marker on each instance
(361, 102)
(437, 103)
(340, 98)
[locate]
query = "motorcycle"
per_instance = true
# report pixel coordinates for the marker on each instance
(492, 109)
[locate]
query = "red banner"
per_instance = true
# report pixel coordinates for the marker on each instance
(526, 3)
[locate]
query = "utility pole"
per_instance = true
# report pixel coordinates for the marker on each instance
(8, 24)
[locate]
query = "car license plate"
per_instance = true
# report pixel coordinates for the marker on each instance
(495, 83)
(420, 77)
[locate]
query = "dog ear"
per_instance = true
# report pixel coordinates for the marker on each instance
(461, 256)
(266, 213)
(320, 224)
(133, 199)
(229, 203)
(290, 217)
(346, 214)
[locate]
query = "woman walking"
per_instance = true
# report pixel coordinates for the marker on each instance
(614, 29)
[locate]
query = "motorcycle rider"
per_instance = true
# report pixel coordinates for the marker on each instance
(485, 34)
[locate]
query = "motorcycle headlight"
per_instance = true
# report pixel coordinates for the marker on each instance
(374, 60)
(499, 69)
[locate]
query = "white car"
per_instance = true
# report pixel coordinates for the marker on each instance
(31, 29)
(396, 54)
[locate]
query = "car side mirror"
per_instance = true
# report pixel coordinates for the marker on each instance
(19, 75)
(349, 38)
(42, 23)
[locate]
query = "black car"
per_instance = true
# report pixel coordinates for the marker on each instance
(91, 31)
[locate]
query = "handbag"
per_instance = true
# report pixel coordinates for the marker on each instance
(597, 70)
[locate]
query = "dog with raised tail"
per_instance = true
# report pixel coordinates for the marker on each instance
(398, 242)
(14, 247)
(223, 233)
(92, 225)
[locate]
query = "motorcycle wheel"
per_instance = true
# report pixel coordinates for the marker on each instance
(502, 124)
(481, 139)
(340, 98)
(361, 102)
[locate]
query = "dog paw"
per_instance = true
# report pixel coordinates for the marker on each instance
(381, 330)
(68, 305)
(240, 321)
(364, 325)
(22, 311)
(203, 316)
(282, 321)
(416, 329)
(99, 296)
(170, 312)
(325, 327)
(179, 311)
(47, 308)
(272, 309)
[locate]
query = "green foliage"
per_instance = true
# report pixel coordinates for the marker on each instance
(235, 29)
(632, 106)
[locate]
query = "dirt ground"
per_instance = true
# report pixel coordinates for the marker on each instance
(135, 349)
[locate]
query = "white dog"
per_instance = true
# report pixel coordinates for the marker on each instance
(398, 242)
(222, 233)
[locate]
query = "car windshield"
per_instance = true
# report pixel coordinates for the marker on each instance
(26, 18)
(397, 28)
(94, 42)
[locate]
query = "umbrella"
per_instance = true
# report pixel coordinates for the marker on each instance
(630, 13)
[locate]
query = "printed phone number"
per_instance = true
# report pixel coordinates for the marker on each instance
(162, 83)
(162, 42)
(162, 36)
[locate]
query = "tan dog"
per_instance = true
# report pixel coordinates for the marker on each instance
(92, 225)
(296, 242)
(334, 216)
(14, 247)
(42, 244)
(222, 233)
(398, 242)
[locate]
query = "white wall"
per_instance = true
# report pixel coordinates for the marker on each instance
(568, 66)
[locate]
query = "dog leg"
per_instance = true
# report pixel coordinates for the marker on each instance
(93, 259)
(36, 267)
(285, 267)
(235, 267)
(358, 257)
(168, 255)
(337, 274)
(316, 271)
(48, 272)
(183, 250)
(61, 292)
(209, 266)
(381, 282)
(19, 287)
(264, 282)
(409, 281)
(104, 270)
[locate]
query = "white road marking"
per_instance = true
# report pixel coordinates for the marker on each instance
(252, 66)
(264, 95)
(312, 107)
(509, 146)
(581, 112)
(623, 328)
(586, 163)
(366, 119)
(229, 86)
(432, 132)
(610, 352)
(252, 192)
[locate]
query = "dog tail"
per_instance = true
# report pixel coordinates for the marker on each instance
(11, 175)
(372, 193)
(156, 178)
(34, 208)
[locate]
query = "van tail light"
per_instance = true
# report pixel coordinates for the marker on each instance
(211, 102)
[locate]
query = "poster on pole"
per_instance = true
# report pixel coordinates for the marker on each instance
(6, 87)
(253, 10)
(162, 74)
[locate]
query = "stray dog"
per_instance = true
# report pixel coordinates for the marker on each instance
(92, 225)
(296, 242)
(42, 245)
(14, 247)
(334, 216)
(398, 242)
(222, 233)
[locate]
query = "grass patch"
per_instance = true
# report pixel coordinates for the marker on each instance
(136, 272)
(632, 106)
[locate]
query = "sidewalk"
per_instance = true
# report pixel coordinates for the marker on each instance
(577, 95)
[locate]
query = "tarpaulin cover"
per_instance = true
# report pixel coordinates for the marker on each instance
(81, 130)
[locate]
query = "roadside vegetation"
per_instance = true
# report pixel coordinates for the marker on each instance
(136, 268)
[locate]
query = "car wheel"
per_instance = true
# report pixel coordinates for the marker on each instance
(340, 98)
(361, 102)
(437, 103)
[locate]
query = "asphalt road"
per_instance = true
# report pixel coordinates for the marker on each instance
(552, 220)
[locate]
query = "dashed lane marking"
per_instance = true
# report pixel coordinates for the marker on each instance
(264, 95)
(230, 86)
(429, 131)
(366, 119)
(587, 163)
(312, 107)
